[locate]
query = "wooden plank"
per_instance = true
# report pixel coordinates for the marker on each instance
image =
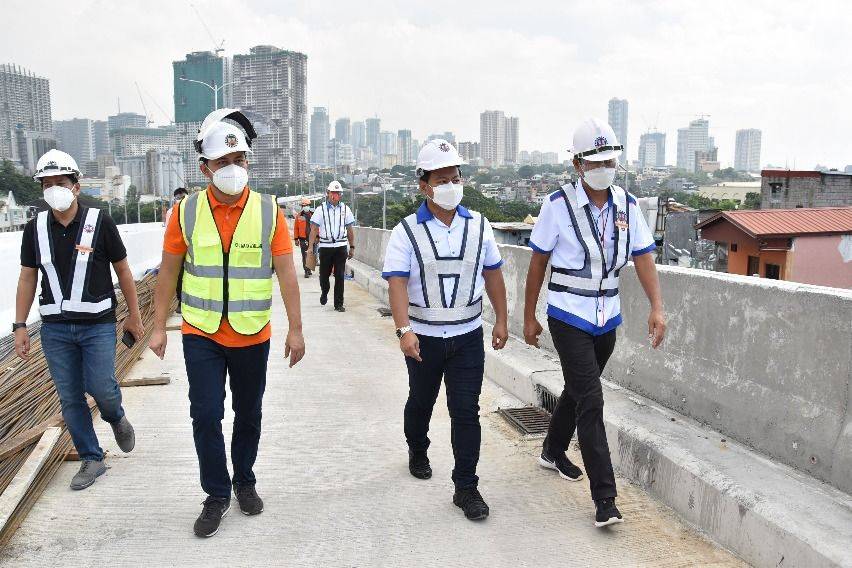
(145, 381)
(17, 443)
(72, 455)
(20, 484)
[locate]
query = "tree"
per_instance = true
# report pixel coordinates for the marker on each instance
(752, 201)
(526, 172)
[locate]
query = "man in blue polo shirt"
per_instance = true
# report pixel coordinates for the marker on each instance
(588, 231)
(438, 263)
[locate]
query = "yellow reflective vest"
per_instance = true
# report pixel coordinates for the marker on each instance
(236, 285)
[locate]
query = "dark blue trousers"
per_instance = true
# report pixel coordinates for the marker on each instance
(460, 361)
(207, 364)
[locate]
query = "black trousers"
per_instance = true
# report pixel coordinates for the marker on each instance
(333, 256)
(460, 361)
(207, 364)
(583, 357)
(303, 245)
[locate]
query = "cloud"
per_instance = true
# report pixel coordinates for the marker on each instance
(435, 67)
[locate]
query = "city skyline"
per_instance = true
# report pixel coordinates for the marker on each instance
(731, 72)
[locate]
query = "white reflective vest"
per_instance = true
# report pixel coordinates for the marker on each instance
(74, 301)
(334, 225)
(598, 276)
(439, 274)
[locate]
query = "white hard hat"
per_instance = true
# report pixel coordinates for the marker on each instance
(436, 154)
(216, 138)
(595, 141)
(335, 186)
(56, 163)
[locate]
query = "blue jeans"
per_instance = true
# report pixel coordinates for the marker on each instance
(81, 359)
(460, 362)
(207, 365)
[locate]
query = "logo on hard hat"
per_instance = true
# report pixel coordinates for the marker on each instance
(600, 141)
(51, 163)
(231, 140)
(444, 147)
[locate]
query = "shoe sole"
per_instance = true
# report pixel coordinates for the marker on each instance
(476, 518)
(81, 487)
(250, 514)
(217, 528)
(610, 521)
(548, 465)
(426, 476)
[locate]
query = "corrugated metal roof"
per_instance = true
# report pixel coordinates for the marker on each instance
(788, 222)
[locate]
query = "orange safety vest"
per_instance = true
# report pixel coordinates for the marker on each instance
(300, 227)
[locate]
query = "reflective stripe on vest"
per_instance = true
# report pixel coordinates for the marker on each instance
(81, 267)
(595, 277)
(240, 290)
(339, 235)
(437, 272)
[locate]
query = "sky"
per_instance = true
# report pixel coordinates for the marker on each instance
(781, 66)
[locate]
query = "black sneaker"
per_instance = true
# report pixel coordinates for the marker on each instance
(607, 513)
(323, 298)
(418, 465)
(339, 309)
(215, 508)
(562, 464)
(250, 502)
(471, 502)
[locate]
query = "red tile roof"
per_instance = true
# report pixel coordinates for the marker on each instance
(787, 222)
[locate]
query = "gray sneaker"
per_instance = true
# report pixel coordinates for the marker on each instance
(124, 434)
(89, 471)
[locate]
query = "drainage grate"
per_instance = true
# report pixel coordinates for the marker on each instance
(529, 420)
(547, 400)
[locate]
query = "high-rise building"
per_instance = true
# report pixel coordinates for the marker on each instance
(127, 120)
(373, 128)
(403, 147)
(194, 101)
(100, 133)
(747, 152)
(342, 131)
(697, 141)
(652, 150)
(272, 83)
(682, 140)
(618, 122)
(319, 136)
(359, 135)
(387, 147)
(492, 137)
(26, 126)
(137, 141)
(154, 172)
(512, 140)
(470, 151)
(76, 137)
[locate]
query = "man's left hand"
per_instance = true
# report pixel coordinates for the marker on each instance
(133, 324)
(294, 347)
(499, 336)
(656, 327)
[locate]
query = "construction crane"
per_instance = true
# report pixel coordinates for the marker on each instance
(217, 47)
(148, 120)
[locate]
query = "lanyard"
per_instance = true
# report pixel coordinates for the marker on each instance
(600, 301)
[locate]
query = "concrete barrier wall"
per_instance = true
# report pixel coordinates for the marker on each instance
(767, 363)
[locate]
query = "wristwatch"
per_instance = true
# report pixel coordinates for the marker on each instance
(18, 325)
(402, 331)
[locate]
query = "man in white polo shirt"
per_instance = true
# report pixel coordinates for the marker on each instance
(588, 231)
(331, 225)
(438, 262)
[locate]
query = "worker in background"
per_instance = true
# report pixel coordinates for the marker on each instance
(230, 240)
(588, 231)
(438, 262)
(73, 247)
(301, 231)
(331, 226)
(179, 194)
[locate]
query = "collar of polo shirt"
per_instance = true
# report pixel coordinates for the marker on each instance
(424, 214)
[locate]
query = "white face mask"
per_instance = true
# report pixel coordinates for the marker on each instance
(447, 195)
(231, 180)
(58, 197)
(599, 178)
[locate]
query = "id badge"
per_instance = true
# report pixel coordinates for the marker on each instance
(600, 314)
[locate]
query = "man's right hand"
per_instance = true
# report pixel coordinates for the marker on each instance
(22, 343)
(532, 329)
(158, 341)
(409, 344)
